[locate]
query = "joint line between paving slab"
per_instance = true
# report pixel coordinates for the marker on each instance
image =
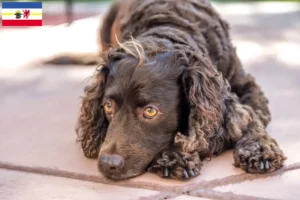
(183, 189)
(204, 193)
(160, 196)
(82, 177)
(233, 179)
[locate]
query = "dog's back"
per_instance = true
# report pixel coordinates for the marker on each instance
(191, 22)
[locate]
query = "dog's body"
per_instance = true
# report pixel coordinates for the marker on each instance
(173, 96)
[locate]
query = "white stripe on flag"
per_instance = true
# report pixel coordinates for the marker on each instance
(30, 17)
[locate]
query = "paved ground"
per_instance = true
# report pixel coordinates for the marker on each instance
(39, 158)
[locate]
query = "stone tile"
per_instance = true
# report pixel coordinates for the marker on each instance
(284, 97)
(186, 197)
(218, 167)
(286, 132)
(38, 116)
(42, 126)
(284, 186)
(26, 186)
(45, 129)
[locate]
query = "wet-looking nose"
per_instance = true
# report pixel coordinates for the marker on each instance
(111, 161)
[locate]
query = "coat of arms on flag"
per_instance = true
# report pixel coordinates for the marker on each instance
(22, 14)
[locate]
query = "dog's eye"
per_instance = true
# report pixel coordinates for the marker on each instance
(150, 112)
(108, 107)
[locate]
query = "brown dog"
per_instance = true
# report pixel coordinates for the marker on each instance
(171, 93)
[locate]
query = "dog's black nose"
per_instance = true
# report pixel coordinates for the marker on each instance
(111, 162)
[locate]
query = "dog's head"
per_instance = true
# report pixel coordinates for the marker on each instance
(137, 103)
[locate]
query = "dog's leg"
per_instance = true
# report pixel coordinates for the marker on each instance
(74, 59)
(176, 164)
(255, 151)
(248, 91)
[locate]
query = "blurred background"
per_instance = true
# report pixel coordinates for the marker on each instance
(256, 22)
(265, 33)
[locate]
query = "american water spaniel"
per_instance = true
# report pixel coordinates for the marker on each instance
(170, 92)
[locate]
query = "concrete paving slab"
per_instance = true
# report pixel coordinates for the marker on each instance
(284, 186)
(50, 102)
(26, 186)
(219, 167)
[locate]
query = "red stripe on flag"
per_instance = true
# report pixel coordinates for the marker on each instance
(22, 22)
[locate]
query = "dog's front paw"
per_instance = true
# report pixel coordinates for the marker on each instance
(259, 156)
(172, 164)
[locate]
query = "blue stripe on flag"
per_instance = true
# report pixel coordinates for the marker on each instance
(21, 5)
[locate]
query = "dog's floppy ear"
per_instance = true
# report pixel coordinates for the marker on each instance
(92, 123)
(203, 87)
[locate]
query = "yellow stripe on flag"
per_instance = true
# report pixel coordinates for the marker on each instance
(13, 14)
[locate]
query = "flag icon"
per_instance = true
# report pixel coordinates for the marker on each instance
(22, 14)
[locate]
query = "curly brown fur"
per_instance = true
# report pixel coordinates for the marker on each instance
(92, 124)
(182, 62)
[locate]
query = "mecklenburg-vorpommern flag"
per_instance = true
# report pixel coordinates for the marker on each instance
(22, 14)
